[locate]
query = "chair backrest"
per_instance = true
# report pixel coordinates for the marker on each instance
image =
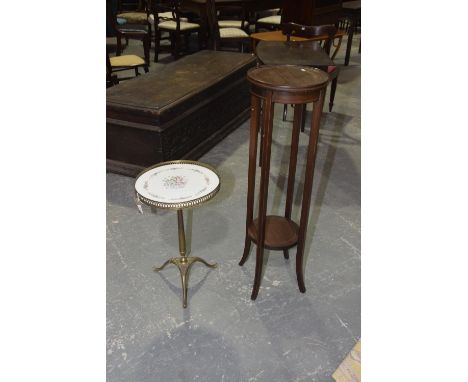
(157, 7)
(268, 12)
(212, 18)
(232, 12)
(112, 13)
(130, 5)
(309, 31)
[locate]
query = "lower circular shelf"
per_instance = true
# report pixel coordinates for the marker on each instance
(280, 232)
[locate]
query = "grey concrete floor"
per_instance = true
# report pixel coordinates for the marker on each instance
(222, 335)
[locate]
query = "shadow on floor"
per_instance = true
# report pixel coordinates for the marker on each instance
(189, 354)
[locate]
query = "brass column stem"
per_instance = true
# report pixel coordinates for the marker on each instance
(183, 262)
(180, 222)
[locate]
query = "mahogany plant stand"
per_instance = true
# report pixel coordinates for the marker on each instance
(285, 84)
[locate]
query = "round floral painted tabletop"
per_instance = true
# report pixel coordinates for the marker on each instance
(177, 183)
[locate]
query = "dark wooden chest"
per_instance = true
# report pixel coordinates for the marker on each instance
(178, 112)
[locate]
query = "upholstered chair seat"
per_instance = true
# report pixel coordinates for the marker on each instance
(228, 35)
(169, 15)
(276, 20)
(165, 15)
(133, 17)
(123, 63)
(128, 60)
(172, 25)
(232, 33)
(232, 24)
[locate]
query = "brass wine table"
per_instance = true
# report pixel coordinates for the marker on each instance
(177, 185)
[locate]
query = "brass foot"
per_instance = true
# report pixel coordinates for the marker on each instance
(156, 269)
(184, 263)
(195, 259)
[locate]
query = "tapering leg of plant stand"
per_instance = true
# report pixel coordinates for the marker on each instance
(309, 177)
(263, 197)
(254, 122)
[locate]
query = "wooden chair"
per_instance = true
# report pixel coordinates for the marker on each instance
(167, 17)
(141, 32)
(132, 13)
(229, 35)
(232, 16)
(330, 31)
(121, 63)
(271, 21)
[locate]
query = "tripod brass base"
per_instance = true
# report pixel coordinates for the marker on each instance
(184, 263)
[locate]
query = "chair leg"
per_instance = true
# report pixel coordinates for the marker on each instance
(150, 35)
(199, 40)
(176, 46)
(137, 73)
(337, 47)
(186, 41)
(249, 46)
(157, 44)
(172, 38)
(119, 46)
(146, 49)
(332, 93)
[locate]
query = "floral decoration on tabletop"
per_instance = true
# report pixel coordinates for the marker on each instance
(175, 181)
